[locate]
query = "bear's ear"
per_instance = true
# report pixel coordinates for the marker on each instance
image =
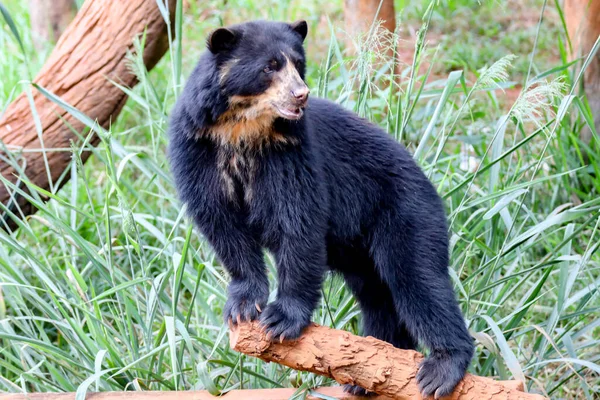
(221, 39)
(301, 28)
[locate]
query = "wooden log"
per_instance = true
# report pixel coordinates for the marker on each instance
(583, 25)
(256, 394)
(373, 364)
(91, 51)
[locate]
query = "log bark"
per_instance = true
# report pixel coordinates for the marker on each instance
(49, 19)
(361, 14)
(91, 51)
(256, 394)
(367, 362)
(583, 25)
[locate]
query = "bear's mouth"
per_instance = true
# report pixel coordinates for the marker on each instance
(292, 113)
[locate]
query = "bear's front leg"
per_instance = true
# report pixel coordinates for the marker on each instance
(248, 291)
(300, 268)
(242, 257)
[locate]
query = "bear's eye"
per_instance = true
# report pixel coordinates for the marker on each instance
(270, 67)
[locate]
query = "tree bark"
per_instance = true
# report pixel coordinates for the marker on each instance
(367, 362)
(373, 22)
(361, 14)
(49, 18)
(92, 50)
(256, 394)
(583, 25)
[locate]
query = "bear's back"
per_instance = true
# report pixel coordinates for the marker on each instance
(365, 168)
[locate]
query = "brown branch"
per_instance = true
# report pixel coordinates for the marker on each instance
(257, 394)
(367, 362)
(91, 52)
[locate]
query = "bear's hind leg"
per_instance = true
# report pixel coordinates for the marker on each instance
(412, 258)
(379, 318)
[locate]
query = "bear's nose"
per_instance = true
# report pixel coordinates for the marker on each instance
(301, 94)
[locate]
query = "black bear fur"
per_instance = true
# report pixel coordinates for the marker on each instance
(320, 189)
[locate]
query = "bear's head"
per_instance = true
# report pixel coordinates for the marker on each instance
(261, 69)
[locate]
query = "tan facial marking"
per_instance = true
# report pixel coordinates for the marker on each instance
(249, 119)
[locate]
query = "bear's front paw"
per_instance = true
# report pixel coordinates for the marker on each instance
(440, 372)
(284, 319)
(245, 302)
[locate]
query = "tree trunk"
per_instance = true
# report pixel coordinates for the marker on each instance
(367, 362)
(92, 50)
(373, 22)
(361, 14)
(49, 18)
(583, 24)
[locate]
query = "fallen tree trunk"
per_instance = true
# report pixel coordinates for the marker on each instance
(92, 51)
(257, 394)
(367, 362)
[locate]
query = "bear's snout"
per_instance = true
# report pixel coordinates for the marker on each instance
(300, 95)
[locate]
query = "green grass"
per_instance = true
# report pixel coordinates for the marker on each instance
(109, 287)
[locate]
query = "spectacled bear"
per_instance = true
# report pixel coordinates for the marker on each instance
(262, 166)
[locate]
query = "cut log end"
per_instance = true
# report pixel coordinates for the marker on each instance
(367, 362)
